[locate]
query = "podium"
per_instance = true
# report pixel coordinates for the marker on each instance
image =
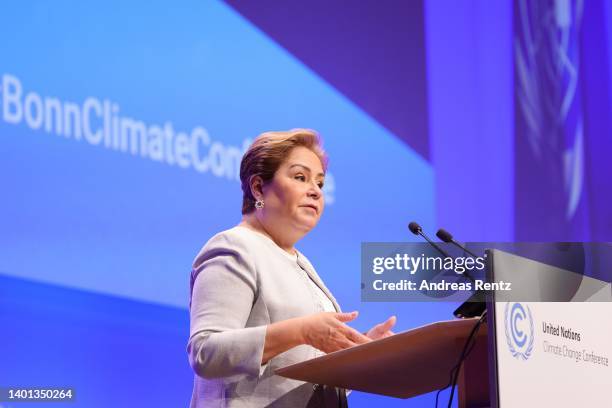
(407, 364)
(548, 343)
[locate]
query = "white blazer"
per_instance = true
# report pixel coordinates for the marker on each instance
(242, 281)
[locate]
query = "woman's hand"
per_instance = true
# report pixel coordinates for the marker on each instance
(382, 330)
(328, 332)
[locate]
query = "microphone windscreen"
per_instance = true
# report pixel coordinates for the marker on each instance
(444, 235)
(415, 228)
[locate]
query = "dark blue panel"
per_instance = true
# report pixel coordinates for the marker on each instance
(371, 51)
(114, 352)
(598, 123)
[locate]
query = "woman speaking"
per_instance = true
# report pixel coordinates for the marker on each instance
(257, 303)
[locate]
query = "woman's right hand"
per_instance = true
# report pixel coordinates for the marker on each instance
(328, 332)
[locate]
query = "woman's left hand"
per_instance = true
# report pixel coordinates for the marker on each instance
(382, 330)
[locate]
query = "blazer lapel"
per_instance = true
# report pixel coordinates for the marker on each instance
(305, 264)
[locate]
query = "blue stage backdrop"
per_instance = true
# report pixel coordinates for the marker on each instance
(121, 131)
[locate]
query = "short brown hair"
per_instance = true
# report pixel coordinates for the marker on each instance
(267, 153)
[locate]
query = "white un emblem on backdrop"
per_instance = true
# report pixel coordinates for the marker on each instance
(519, 330)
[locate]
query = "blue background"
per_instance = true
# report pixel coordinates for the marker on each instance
(96, 245)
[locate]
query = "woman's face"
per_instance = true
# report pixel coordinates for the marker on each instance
(293, 198)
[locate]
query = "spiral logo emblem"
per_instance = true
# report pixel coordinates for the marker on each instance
(519, 330)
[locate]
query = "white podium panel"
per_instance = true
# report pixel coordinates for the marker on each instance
(553, 354)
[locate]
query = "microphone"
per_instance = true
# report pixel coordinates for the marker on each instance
(475, 305)
(416, 229)
(447, 237)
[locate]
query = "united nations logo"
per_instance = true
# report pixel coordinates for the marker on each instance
(519, 330)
